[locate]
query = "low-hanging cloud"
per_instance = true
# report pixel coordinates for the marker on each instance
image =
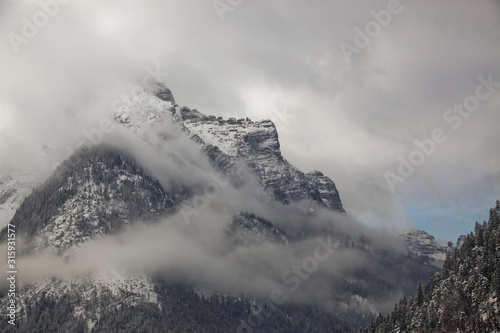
(199, 251)
(200, 254)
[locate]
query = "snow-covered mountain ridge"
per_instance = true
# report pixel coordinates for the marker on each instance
(232, 141)
(98, 191)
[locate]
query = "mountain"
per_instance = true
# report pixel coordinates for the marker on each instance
(96, 193)
(89, 196)
(422, 245)
(463, 297)
(15, 186)
(232, 142)
(273, 229)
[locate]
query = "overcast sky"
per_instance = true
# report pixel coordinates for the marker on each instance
(347, 104)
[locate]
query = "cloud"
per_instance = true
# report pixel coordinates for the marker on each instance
(351, 121)
(199, 253)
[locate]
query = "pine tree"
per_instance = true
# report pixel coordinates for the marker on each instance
(420, 295)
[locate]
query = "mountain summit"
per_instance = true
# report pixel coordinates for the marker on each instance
(230, 142)
(105, 237)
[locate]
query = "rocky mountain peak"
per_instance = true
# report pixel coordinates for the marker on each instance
(159, 90)
(232, 142)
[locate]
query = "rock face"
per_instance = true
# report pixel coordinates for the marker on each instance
(159, 90)
(256, 145)
(232, 142)
(422, 245)
(93, 195)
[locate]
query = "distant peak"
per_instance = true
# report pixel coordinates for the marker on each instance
(162, 92)
(412, 232)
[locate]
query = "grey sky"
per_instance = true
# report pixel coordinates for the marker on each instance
(280, 60)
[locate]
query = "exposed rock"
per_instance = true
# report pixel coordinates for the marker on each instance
(422, 245)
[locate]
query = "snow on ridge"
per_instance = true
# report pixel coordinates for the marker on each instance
(422, 244)
(144, 109)
(15, 186)
(121, 285)
(225, 134)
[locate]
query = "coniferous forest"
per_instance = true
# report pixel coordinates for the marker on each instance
(463, 297)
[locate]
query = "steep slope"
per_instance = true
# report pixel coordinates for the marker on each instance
(232, 142)
(178, 309)
(463, 297)
(237, 145)
(248, 229)
(92, 194)
(256, 144)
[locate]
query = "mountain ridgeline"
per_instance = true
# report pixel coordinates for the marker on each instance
(266, 226)
(464, 297)
(93, 193)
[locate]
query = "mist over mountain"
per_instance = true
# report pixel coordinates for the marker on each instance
(174, 198)
(249, 166)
